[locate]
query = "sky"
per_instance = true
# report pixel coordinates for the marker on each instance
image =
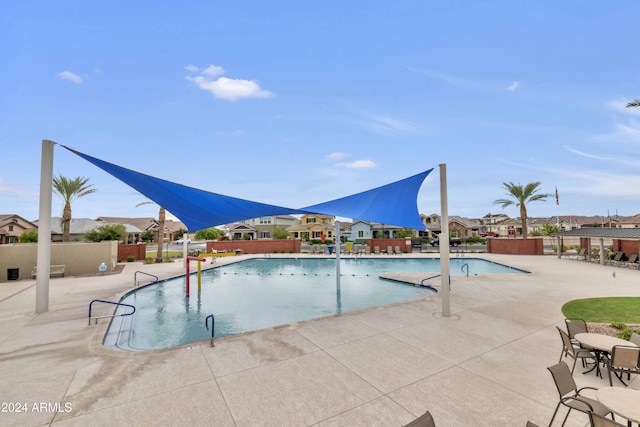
(296, 103)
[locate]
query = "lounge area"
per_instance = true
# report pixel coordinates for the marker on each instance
(485, 365)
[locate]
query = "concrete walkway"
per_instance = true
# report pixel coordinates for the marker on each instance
(483, 366)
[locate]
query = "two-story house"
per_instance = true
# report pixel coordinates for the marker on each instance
(12, 226)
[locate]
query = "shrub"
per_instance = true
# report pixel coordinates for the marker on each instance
(625, 331)
(148, 260)
(131, 258)
(28, 237)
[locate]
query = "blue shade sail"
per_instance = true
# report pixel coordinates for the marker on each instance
(393, 204)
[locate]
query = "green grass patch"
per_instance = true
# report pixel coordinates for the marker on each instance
(605, 310)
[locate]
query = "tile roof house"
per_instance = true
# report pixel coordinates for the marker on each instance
(12, 226)
(78, 228)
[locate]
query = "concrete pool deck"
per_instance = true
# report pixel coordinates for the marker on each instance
(483, 366)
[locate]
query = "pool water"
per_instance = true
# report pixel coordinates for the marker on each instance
(264, 292)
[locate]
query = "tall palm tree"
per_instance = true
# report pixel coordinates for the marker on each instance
(520, 196)
(635, 103)
(70, 189)
(162, 216)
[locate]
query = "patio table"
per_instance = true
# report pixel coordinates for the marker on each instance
(602, 344)
(621, 401)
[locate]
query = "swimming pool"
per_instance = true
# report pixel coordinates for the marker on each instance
(264, 292)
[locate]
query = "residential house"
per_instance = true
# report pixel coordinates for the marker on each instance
(490, 223)
(313, 227)
(78, 228)
(264, 226)
(12, 226)
(239, 231)
(383, 231)
(135, 227)
(361, 231)
(463, 227)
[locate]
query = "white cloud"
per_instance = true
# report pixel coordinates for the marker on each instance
(449, 78)
(388, 125)
(358, 164)
(68, 75)
(213, 71)
(226, 88)
(622, 132)
(515, 85)
(192, 68)
(337, 155)
(620, 160)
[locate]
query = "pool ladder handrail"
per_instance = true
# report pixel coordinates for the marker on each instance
(118, 304)
(135, 277)
(206, 324)
(422, 285)
(463, 266)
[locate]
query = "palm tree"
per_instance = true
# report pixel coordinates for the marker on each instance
(520, 196)
(162, 216)
(635, 103)
(70, 189)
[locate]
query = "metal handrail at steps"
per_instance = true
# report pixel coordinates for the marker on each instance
(118, 304)
(135, 277)
(206, 324)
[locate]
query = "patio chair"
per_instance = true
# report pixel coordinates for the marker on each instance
(424, 420)
(625, 359)
(599, 421)
(632, 261)
(376, 250)
(617, 259)
(570, 395)
(396, 250)
(575, 325)
(568, 349)
(389, 250)
(635, 338)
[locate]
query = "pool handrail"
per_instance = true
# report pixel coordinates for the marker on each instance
(206, 324)
(422, 285)
(135, 277)
(463, 266)
(113, 315)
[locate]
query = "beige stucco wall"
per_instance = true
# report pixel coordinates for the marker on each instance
(78, 258)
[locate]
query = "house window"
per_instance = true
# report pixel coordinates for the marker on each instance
(265, 220)
(11, 228)
(360, 233)
(265, 235)
(311, 220)
(316, 234)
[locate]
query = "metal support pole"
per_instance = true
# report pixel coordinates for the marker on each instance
(445, 267)
(43, 260)
(337, 256)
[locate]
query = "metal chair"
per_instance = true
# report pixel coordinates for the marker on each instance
(575, 326)
(635, 338)
(569, 349)
(599, 421)
(424, 420)
(624, 359)
(570, 395)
